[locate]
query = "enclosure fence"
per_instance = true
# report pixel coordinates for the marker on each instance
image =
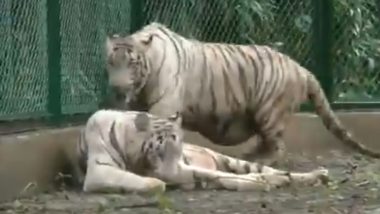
(52, 51)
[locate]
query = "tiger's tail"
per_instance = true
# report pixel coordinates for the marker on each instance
(329, 118)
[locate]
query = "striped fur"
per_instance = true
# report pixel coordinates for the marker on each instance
(137, 152)
(227, 92)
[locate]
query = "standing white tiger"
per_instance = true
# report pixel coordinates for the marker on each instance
(226, 92)
(138, 152)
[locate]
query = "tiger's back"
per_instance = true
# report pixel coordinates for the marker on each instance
(243, 87)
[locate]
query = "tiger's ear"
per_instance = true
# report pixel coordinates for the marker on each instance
(176, 118)
(109, 44)
(142, 122)
(147, 40)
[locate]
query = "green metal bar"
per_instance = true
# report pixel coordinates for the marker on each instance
(54, 105)
(14, 50)
(103, 81)
(374, 106)
(137, 15)
(378, 9)
(349, 106)
(322, 42)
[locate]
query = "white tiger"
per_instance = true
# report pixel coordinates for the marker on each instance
(137, 152)
(226, 92)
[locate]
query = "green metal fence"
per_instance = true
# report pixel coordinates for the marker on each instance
(52, 62)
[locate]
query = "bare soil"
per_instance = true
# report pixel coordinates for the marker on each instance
(354, 188)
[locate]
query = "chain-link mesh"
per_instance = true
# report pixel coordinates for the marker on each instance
(23, 58)
(84, 26)
(357, 50)
(285, 25)
(23, 55)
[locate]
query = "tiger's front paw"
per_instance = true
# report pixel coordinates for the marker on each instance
(156, 185)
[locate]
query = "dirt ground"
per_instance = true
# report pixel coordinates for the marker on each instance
(354, 188)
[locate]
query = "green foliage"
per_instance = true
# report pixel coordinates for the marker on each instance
(356, 49)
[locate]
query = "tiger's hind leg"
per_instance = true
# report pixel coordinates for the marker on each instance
(278, 179)
(103, 177)
(230, 164)
(269, 151)
(271, 147)
(190, 175)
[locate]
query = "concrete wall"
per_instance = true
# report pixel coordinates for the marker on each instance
(37, 157)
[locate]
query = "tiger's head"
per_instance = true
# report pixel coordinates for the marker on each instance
(162, 146)
(130, 59)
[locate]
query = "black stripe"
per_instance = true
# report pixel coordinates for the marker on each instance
(268, 93)
(158, 71)
(158, 99)
(281, 68)
(177, 73)
(248, 60)
(217, 163)
(242, 53)
(227, 86)
(185, 160)
(259, 167)
(226, 164)
(212, 91)
(279, 112)
(246, 167)
(143, 147)
(274, 78)
(260, 94)
(185, 56)
(231, 49)
(258, 69)
(115, 144)
(178, 49)
(279, 79)
(197, 181)
(237, 165)
(237, 53)
(120, 165)
(205, 71)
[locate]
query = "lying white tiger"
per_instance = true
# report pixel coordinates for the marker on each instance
(138, 152)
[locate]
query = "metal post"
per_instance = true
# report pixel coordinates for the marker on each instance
(322, 34)
(137, 15)
(54, 105)
(378, 9)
